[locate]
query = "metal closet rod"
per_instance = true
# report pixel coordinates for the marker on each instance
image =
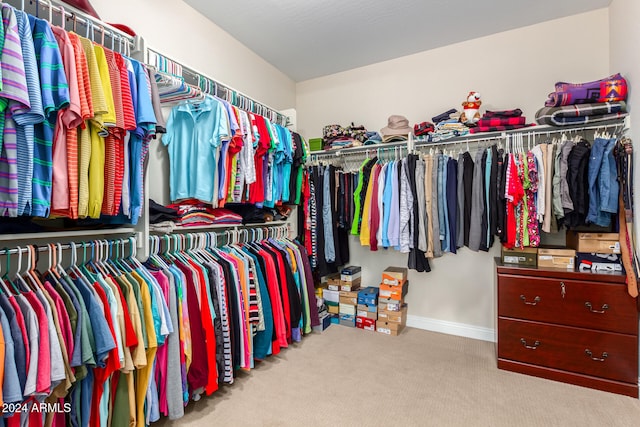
(357, 150)
(533, 131)
(66, 246)
(489, 136)
(266, 230)
(79, 16)
(188, 70)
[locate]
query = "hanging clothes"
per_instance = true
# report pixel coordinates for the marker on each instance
(68, 107)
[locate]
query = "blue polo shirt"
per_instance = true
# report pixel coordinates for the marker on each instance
(146, 125)
(194, 130)
(24, 117)
(55, 95)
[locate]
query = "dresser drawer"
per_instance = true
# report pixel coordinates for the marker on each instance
(601, 354)
(593, 305)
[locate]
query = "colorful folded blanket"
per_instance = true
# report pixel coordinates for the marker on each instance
(504, 113)
(609, 89)
(581, 114)
(500, 128)
(501, 121)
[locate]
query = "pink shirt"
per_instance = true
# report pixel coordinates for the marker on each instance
(43, 378)
(64, 190)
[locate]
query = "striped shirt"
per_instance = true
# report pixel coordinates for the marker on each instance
(9, 169)
(14, 90)
(146, 120)
(14, 82)
(83, 139)
(64, 196)
(84, 83)
(84, 156)
(24, 117)
(96, 172)
(114, 143)
(126, 183)
(55, 95)
(98, 100)
(129, 117)
(109, 118)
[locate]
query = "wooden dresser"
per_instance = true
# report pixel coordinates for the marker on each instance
(578, 328)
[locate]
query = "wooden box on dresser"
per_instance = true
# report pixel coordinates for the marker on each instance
(575, 327)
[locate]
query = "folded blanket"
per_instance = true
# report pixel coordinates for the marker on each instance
(501, 128)
(609, 89)
(581, 114)
(501, 121)
(504, 113)
(443, 116)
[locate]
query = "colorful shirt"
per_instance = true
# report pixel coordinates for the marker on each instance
(55, 95)
(193, 133)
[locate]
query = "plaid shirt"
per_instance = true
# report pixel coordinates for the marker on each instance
(501, 121)
(502, 128)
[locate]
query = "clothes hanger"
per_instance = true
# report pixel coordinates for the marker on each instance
(5, 278)
(21, 285)
(34, 274)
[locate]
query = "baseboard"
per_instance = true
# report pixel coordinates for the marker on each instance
(452, 328)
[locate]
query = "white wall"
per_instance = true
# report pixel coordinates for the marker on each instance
(177, 30)
(512, 69)
(624, 57)
(180, 32)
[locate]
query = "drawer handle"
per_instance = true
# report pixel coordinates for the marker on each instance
(535, 301)
(530, 347)
(605, 307)
(596, 359)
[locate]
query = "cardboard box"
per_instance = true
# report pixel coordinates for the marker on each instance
(389, 304)
(598, 262)
(524, 256)
(367, 314)
(333, 282)
(556, 258)
(335, 319)
(333, 307)
(395, 293)
(351, 270)
(389, 328)
(350, 278)
(384, 315)
(349, 297)
(398, 316)
(325, 322)
(364, 323)
(350, 286)
(348, 320)
(368, 296)
(368, 307)
(347, 309)
(351, 273)
(394, 275)
(331, 295)
(599, 243)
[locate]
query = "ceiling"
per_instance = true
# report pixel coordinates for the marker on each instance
(312, 38)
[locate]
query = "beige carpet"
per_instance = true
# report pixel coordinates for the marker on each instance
(350, 377)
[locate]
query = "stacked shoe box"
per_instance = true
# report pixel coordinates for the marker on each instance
(392, 310)
(323, 312)
(350, 279)
(367, 310)
(596, 252)
(331, 295)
